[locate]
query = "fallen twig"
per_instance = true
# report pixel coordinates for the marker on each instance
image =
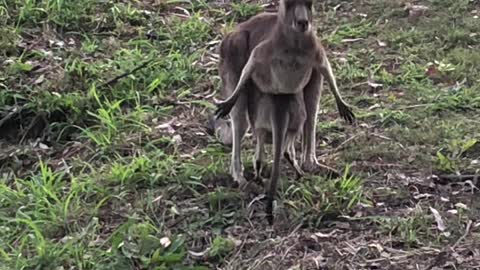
(457, 178)
(35, 120)
(380, 136)
(239, 251)
(336, 149)
(467, 231)
(415, 106)
(439, 260)
(125, 74)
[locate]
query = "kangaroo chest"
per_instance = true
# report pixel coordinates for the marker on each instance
(283, 73)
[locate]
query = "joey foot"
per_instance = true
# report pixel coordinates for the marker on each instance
(258, 168)
(245, 185)
(250, 187)
(266, 185)
(300, 173)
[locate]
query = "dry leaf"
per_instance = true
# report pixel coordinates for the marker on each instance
(461, 205)
(416, 11)
(452, 211)
(157, 199)
(377, 246)
(373, 84)
(347, 40)
(43, 146)
(165, 242)
(325, 235)
(40, 79)
(432, 72)
(177, 139)
(423, 196)
(342, 60)
(199, 254)
(381, 43)
(168, 126)
(440, 224)
(342, 225)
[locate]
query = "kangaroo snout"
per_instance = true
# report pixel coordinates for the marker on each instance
(301, 21)
(302, 25)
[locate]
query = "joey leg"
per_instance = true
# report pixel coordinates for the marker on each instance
(259, 154)
(239, 125)
(279, 121)
(290, 154)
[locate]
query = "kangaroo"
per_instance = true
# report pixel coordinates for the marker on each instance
(272, 68)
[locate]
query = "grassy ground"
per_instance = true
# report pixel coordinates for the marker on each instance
(103, 172)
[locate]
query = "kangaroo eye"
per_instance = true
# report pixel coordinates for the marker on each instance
(309, 4)
(289, 4)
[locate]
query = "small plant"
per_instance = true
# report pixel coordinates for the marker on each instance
(389, 118)
(349, 190)
(242, 11)
(454, 151)
(186, 36)
(89, 46)
(410, 230)
(9, 39)
(221, 198)
(317, 197)
(107, 115)
(19, 66)
(221, 247)
(112, 121)
(125, 13)
(350, 31)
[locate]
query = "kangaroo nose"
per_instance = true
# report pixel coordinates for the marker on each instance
(302, 25)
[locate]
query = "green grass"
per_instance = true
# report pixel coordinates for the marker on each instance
(105, 173)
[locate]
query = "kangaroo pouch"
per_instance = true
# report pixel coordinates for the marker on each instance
(261, 108)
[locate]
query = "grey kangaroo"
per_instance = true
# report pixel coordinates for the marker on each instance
(272, 68)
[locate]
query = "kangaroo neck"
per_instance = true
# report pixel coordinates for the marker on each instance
(288, 38)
